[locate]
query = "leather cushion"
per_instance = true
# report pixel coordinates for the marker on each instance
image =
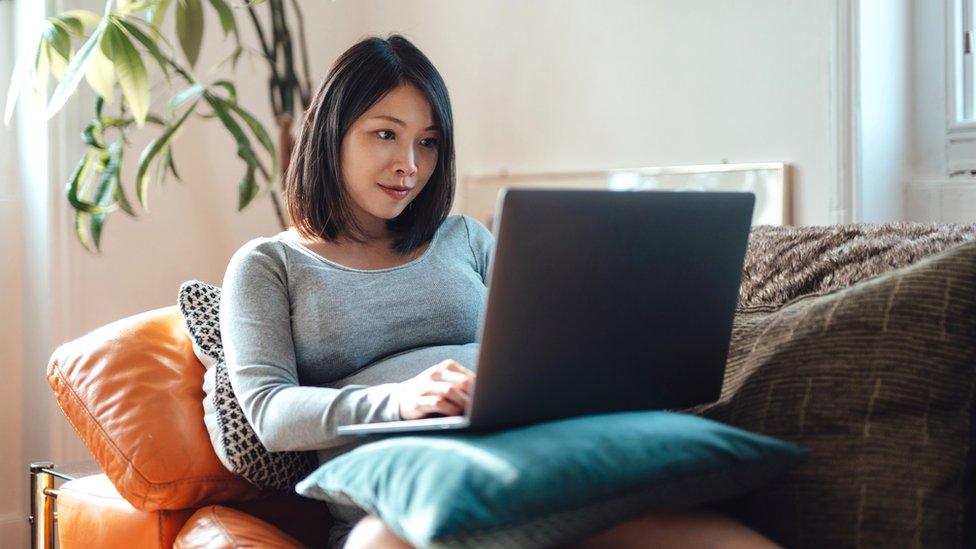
(216, 526)
(133, 391)
(92, 513)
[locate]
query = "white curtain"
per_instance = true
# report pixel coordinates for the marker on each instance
(35, 160)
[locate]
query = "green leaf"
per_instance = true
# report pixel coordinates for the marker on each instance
(151, 151)
(262, 135)
(231, 89)
(75, 71)
(235, 56)
(123, 200)
(105, 195)
(153, 33)
(139, 5)
(58, 63)
(192, 92)
(227, 22)
(80, 218)
(95, 227)
(247, 187)
(189, 28)
(147, 43)
(125, 122)
(71, 25)
(42, 69)
(74, 185)
(58, 38)
(130, 71)
(172, 165)
(156, 14)
(256, 127)
(91, 135)
(101, 74)
(159, 174)
(88, 18)
(77, 176)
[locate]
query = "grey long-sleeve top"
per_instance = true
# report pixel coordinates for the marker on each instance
(311, 344)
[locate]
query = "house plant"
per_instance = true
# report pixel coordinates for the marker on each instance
(124, 55)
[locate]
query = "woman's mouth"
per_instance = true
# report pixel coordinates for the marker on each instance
(395, 193)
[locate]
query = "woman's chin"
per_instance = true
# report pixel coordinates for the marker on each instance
(390, 215)
(400, 211)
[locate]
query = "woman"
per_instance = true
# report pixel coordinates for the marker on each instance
(367, 310)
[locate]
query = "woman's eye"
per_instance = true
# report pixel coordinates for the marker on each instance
(387, 135)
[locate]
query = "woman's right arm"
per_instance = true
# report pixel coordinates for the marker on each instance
(255, 324)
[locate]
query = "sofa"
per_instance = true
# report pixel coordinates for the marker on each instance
(133, 391)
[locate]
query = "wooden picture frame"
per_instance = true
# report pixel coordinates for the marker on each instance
(770, 181)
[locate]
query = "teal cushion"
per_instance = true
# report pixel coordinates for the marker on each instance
(547, 483)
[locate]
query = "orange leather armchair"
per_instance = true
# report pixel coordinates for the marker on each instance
(133, 392)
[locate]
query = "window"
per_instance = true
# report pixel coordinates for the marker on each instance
(961, 87)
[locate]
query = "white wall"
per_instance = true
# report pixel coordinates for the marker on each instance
(543, 85)
(885, 92)
(563, 85)
(929, 84)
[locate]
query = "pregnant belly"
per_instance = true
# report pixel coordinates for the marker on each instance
(406, 364)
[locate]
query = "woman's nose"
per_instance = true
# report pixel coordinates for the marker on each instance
(406, 163)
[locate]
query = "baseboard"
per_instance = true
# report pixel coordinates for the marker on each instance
(14, 530)
(943, 201)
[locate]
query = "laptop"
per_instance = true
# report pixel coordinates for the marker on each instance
(602, 301)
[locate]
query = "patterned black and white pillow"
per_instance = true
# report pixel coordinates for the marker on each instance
(233, 438)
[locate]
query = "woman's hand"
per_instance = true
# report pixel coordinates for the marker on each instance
(444, 388)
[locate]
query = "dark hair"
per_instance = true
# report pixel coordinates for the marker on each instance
(313, 189)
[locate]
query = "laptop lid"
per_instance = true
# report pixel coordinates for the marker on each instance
(603, 301)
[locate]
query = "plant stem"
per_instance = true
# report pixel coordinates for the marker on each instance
(283, 35)
(306, 90)
(269, 55)
(260, 31)
(264, 171)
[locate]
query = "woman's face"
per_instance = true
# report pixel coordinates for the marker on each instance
(388, 154)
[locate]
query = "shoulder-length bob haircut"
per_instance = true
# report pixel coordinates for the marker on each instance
(313, 188)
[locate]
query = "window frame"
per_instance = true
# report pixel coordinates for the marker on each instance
(960, 87)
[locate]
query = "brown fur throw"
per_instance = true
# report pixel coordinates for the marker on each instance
(784, 263)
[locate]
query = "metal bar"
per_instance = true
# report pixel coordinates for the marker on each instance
(58, 474)
(42, 505)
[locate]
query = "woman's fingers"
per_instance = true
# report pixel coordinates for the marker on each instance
(435, 404)
(456, 379)
(454, 366)
(448, 392)
(444, 388)
(451, 367)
